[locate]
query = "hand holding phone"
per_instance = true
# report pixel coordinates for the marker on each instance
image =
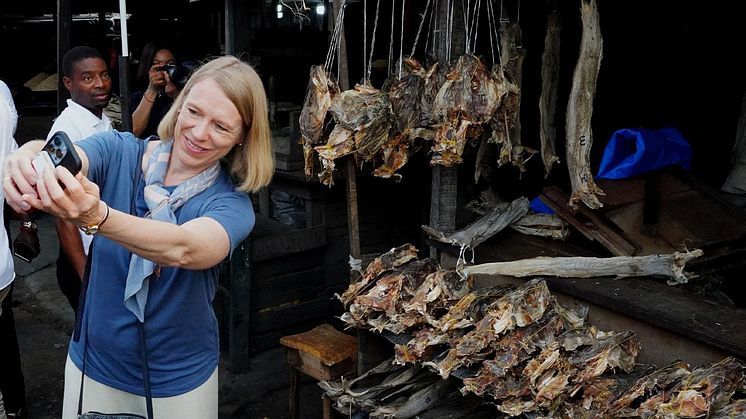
(58, 151)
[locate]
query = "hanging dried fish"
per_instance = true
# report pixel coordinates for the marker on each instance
(322, 89)
(341, 143)
(550, 66)
(580, 109)
(405, 95)
(512, 55)
(469, 96)
(506, 116)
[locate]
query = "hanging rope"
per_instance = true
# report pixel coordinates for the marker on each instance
(475, 24)
(450, 30)
(373, 41)
(401, 38)
(365, 35)
(336, 37)
(417, 37)
(465, 16)
(490, 25)
(391, 44)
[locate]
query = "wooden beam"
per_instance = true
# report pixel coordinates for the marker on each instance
(64, 23)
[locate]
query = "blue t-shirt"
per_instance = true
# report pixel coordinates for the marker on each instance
(180, 326)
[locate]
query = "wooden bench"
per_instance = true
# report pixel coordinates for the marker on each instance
(323, 353)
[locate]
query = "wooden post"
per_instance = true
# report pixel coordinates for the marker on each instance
(240, 307)
(443, 184)
(64, 22)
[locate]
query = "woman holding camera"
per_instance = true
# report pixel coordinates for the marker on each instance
(156, 99)
(164, 214)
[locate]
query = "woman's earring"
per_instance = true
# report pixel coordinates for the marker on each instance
(240, 144)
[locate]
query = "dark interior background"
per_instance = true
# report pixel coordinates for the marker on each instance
(665, 63)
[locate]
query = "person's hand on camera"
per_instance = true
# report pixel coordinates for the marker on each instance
(71, 198)
(158, 78)
(20, 178)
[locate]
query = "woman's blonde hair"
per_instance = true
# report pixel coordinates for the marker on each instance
(252, 161)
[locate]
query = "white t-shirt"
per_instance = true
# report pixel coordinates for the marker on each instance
(7, 146)
(5, 93)
(79, 123)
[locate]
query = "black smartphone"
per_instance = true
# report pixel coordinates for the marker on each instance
(58, 151)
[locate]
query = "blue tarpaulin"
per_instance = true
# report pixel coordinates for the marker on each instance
(537, 205)
(632, 152)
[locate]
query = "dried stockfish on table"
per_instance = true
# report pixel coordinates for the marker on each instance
(675, 391)
(485, 227)
(531, 224)
(520, 348)
(550, 65)
(383, 263)
(670, 266)
(580, 110)
(322, 89)
(388, 391)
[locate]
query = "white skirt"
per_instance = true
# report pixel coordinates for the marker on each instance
(202, 402)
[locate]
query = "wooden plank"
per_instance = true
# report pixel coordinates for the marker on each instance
(289, 315)
(324, 343)
(668, 307)
(300, 261)
(592, 225)
(315, 368)
(295, 286)
(270, 340)
(295, 241)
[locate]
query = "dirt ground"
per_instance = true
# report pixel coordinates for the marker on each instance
(44, 322)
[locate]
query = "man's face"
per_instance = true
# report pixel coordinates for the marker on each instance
(90, 84)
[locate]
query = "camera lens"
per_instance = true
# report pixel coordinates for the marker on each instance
(58, 154)
(56, 142)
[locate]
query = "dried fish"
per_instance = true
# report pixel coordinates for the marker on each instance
(533, 224)
(550, 68)
(405, 95)
(670, 266)
(618, 350)
(385, 262)
(417, 402)
(660, 380)
(580, 110)
(341, 143)
(468, 92)
(512, 54)
(707, 389)
(468, 98)
(519, 308)
(322, 89)
(485, 227)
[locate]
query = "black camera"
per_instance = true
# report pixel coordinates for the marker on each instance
(177, 73)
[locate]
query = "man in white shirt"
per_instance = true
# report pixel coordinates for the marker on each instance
(86, 77)
(7, 272)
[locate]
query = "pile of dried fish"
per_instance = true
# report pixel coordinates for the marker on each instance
(388, 391)
(523, 349)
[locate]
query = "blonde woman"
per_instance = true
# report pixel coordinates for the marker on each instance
(164, 215)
